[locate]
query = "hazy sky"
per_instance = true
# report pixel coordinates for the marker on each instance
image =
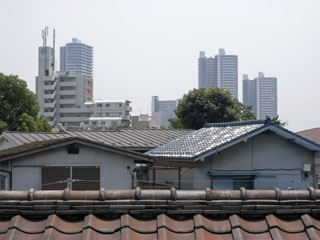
(151, 47)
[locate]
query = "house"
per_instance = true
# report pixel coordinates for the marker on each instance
(160, 214)
(144, 121)
(314, 135)
(73, 162)
(139, 140)
(252, 154)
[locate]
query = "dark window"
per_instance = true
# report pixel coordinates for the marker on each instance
(87, 178)
(78, 177)
(46, 72)
(73, 149)
(242, 181)
(53, 177)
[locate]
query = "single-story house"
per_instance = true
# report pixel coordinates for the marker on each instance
(73, 162)
(251, 154)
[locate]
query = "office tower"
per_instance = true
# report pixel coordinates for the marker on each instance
(163, 110)
(220, 71)
(77, 57)
(261, 93)
(249, 88)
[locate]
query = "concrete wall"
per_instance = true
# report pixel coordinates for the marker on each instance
(113, 167)
(278, 161)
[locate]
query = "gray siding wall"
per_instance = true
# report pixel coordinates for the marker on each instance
(278, 161)
(4, 144)
(113, 167)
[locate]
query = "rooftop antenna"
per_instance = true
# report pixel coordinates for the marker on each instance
(44, 36)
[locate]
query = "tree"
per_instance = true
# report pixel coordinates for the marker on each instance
(19, 107)
(215, 105)
(276, 121)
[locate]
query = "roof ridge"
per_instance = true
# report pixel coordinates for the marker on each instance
(170, 194)
(237, 123)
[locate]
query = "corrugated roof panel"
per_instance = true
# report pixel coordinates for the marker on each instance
(137, 138)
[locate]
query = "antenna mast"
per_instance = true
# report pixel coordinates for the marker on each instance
(44, 36)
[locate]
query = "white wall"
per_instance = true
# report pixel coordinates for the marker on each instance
(113, 167)
(277, 160)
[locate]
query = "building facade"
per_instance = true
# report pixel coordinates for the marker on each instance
(66, 97)
(220, 71)
(261, 94)
(109, 113)
(163, 110)
(77, 57)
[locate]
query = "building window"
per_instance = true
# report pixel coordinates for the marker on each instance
(120, 105)
(107, 104)
(99, 105)
(73, 149)
(73, 177)
(232, 180)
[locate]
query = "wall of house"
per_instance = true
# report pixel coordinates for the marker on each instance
(113, 167)
(277, 161)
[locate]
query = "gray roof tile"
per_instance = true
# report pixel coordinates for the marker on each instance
(198, 142)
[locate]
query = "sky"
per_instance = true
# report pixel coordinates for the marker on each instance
(145, 48)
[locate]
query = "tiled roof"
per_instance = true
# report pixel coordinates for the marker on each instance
(217, 136)
(144, 139)
(313, 134)
(162, 227)
(208, 138)
(160, 214)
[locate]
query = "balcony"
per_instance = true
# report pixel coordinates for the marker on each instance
(68, 92)
(49, 105)
(67, 101)
(50, 114)
(68, 84)
(51, 96)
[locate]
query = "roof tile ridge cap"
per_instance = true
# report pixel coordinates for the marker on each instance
(235, 123)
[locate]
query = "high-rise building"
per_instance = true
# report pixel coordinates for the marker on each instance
(163, 110)
(261, 94)
(45, 81)
(66, 97)
(220, 71)
(77, 57)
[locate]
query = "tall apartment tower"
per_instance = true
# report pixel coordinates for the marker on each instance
(261, 94)
(77, 57)
(220, 71)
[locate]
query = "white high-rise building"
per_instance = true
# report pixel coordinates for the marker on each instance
(220, 71)
(261, 94)
(77, 57)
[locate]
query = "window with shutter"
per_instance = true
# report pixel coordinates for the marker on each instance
(83, 177)
(51, 176)
(87, 177)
